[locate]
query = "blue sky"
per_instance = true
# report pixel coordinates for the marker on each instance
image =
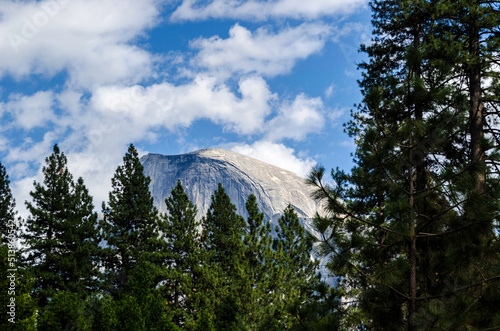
(274, 80)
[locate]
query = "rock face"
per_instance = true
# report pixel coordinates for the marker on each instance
(202, 171)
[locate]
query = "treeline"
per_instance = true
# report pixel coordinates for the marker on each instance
(138, 269)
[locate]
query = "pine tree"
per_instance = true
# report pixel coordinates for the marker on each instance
(61, 236)
(407, 213)
(474, 28)
(7, 205)
(298, 275)
(259, 261)
(184, 256)
(142, 306)
(11, 273)
(223, 231)
(23, 313)
(130, 225)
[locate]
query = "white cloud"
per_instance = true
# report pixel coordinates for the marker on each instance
(330, 90)
(275, 154)
(337, 114)
(262, 10)
(262, 52)
(30, 151)
(296, 119)
(102, 127)
(91, 39)
(173, 106)
(170, 106)
(31, 111)
(96, 169)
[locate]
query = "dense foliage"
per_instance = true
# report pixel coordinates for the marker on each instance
(413, 226)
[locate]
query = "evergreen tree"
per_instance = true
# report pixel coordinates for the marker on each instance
(142, 306)
(260, 268)
(7, 205)
(297, 271)
(65, 311)
(130, 226)
(184, 260)
(473, 28)
(15, 297)
(405, 221)
(223, 229)
(61, 236)
(222, 235)
(80, 243)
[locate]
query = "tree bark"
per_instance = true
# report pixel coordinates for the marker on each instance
(476, 116)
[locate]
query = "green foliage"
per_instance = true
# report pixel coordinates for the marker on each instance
(61, 233)
(222, 235)
(183, 251)
(419, 208)
(223, 231)
(303, 299)
(65, 311)
(7, 205)
(205, 322)
(102, 309)
(129, 226)
(259, 291)
(23, 311)
(141, 307)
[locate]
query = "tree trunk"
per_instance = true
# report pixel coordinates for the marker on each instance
(476, 116)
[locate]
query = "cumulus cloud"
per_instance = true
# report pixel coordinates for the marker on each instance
(173, 106)
(31, 111)
(176, 106)
(262, 10)
(275, 154)
(262, 52)
(90, 39)
(296, 119)
(31, 151)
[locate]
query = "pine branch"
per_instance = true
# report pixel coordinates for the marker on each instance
(345, 211)
(360, 271)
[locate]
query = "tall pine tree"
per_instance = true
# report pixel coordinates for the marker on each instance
(297, 271)
(222, 237)
(184, 273)
(407, 214)
(130, 226)
(23, 314)
(259, 261)
(61, 236)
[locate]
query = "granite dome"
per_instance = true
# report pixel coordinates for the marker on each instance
(201, 172)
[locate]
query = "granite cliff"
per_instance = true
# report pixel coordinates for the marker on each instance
(201, 171)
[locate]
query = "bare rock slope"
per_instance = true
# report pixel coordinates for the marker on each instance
(201, 171)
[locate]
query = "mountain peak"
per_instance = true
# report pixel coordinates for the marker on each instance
(201, 171)
(239, 160)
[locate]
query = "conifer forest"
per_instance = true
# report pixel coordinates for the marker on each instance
(410, 235)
